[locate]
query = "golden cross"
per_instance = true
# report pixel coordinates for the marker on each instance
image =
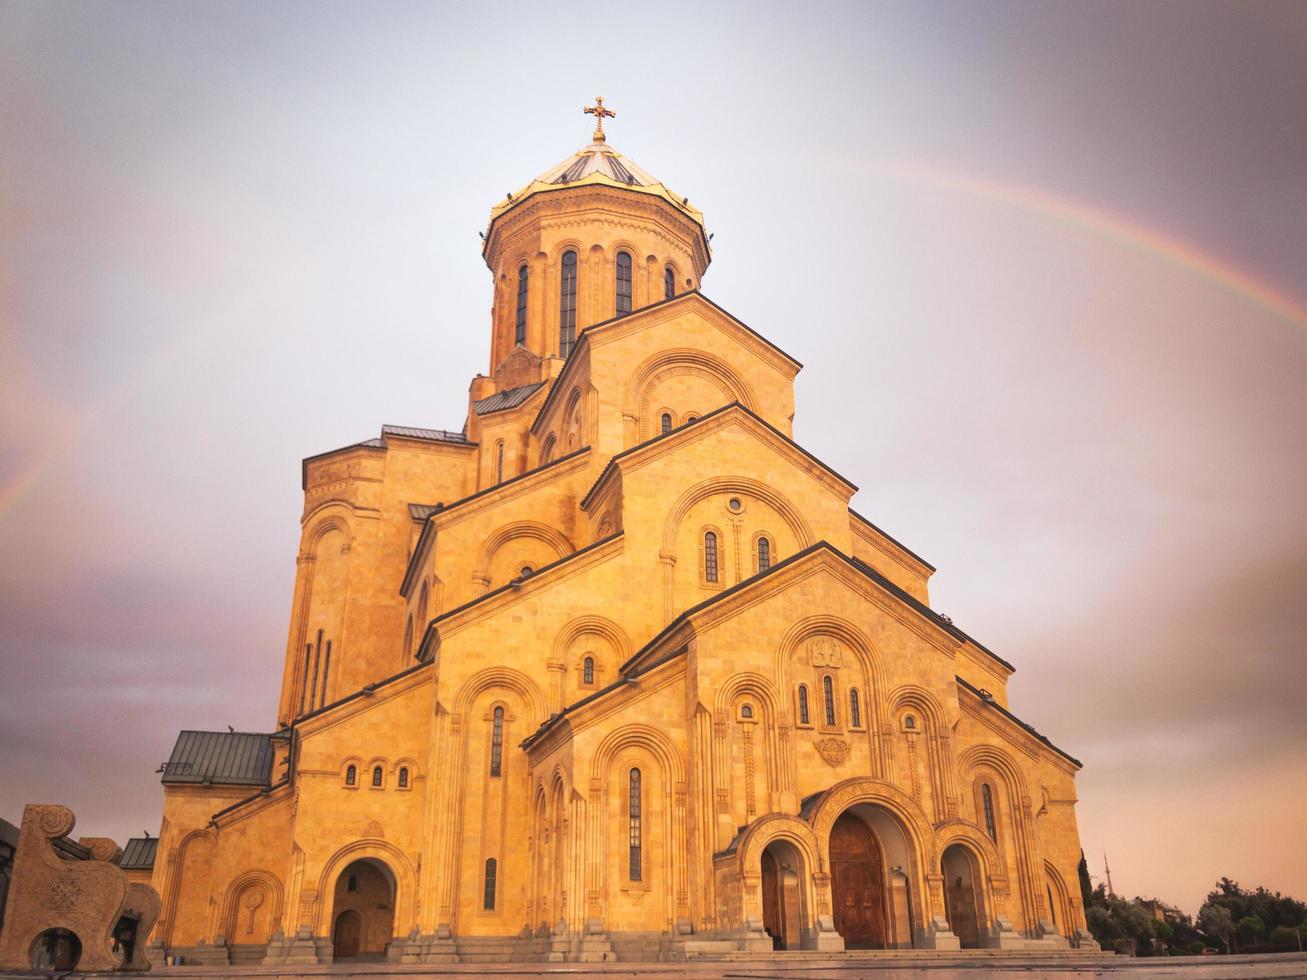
(598, 111)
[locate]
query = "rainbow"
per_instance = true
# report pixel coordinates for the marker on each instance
(1113, 226)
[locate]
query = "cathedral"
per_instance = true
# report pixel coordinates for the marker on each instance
(613, 671)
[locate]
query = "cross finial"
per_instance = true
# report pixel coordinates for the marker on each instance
(599, 112)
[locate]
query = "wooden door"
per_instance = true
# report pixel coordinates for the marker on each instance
(857, 884)
(348, 928)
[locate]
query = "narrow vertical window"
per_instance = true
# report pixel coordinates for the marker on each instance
(304, 685)
(764, 554)
(1052, 909)
(567, 305)
(828, 693)
(376, 775)
(987, 804)
(403, 777)
(326, 670)
(499, 461)
(623, 283)
(492, 872)
(666, 422)
(353, 883)
(855, 709)
(710, 556)
(804, 717)
(588, 670)
(497, 743)
(669, 283)
(636, 868)
(351, 775)
(519, 332)
(317, 658)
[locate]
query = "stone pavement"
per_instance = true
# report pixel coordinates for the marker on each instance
(878, 967)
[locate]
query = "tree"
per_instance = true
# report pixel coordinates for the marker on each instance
(1086, 886)
(1250, 929)
(1215, 920)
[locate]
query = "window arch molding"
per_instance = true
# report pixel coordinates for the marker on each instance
(368, 773)
(863, 667)
(498, 717)
(706, 558)
(755, 549)
(360, 771)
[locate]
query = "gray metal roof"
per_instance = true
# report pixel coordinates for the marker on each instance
(139, 854)
(434, 435)
(503, 400)
(237, 758)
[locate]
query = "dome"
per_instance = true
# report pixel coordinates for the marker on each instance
(598, 163)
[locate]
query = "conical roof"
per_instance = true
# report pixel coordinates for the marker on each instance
(598, 163)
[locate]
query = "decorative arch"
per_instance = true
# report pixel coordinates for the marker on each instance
(774, 827)
(918, 699)
(231, 897)
(1062, 915)
(598, 625)
(850, 792)
(401, 867)
(792, 516)
(637, 735)
(518, 530)
(683, 360)
(988, 756)
(315, 530)
(492, 677)
(854, 638)
(753, 683)
(970, 835)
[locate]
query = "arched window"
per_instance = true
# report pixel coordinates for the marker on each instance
(376, 775)
(499, 461)
(403, 777)
(526, 571)
(855, 709)
(567, 305)
(1052, 908)
(636, 868)
(764, 554)
(909, 722)
(519, 332)
(666, 423)
(408, 635)
(492, 872)
(352, 884)
(987, 804)
(547, 453)
(746, 711)
(351, 775)
(804, 717)
(669, 283)
(588, 670)
(497, 743)
(828, 693)
(710, 556)
(623, 283)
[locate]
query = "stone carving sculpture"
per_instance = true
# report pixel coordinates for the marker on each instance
(92, 899)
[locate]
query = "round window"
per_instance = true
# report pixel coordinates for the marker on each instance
(735, 504)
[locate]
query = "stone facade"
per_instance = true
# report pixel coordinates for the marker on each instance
(615, 671)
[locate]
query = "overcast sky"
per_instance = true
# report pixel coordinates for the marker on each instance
(1046, 265)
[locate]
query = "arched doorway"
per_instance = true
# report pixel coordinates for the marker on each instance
(857, 883)
(961, 894)
(782, 895)
(363, 914)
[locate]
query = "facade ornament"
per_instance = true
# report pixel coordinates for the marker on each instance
(833, 750)
(824, 651)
